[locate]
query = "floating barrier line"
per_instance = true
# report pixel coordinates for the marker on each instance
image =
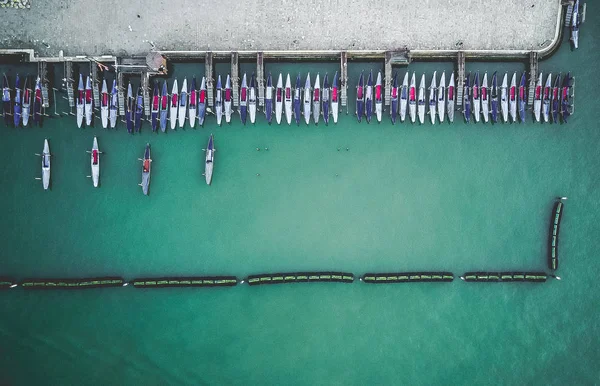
(407, 277)
(557, 213)
(96, 282)
(6, 283)
(496, 277)
(197, 281)
(300, 277)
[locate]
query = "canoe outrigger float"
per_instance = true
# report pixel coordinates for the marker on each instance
(209, 160)
(80, 102)
(6, 101)
(88, 102)
(326, 98)
(244, 100)
(18, 101)
(546, 99)
(537, 99)
(183, 99)
(155, 107)
(174, 105)
(193, 102)
(441, 97)
(45, 165)
(485, 98)
(228, 99)
(334, 98)
(279, 99)
(512, 97)
(139, 110)
(307, 99)
(394, 99)
(467, 98)
(146, 168)
(288, 100)
(164, 107)
(219, 103)
(421, 100)
(412, 98)
(252, 99)
(494, 98)
(432, 97)
(129, 109)
(104, 102)
(369, 98)
(360, 98)
(476, 98)
(316, 100)
(451, 98)
(269, 99)
(297, 97)
(95, 163)
(202, 101)
(114, 105)
(522, 98)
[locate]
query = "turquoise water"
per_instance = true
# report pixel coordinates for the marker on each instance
(401, 198)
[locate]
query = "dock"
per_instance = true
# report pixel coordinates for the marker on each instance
(260, 79)
(95, 83)
(344, 79)
(235, 78)
(43, 74)
(208, 69)
(533, 75)
(70, 83)
(460, 78)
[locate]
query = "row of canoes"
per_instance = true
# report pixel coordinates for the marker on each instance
(146, 164)
(17, 105)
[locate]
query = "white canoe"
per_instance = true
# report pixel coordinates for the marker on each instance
(46, 165)
(537, 99)
(174, 105)
(183, 99)
(485, 98)
(432, 98)
(88, 101)
(441, 97)
(228, 99)
(451, 98)
(317, 100)
(114, 105)
(504, 98)
(335, 104)
(378, 98)
(412, 99)
(421, 100)
(193, 103)
(279, 99)
(512, 97)
(476, 91)
(404, 97)
(546, 98)
(80, 100)
(95, 162)
(209, 160)
(307, 99)
(104, 102)
(219, 103)
(252, 100)
(288, 100)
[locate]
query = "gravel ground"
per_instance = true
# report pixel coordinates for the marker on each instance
(126, 28)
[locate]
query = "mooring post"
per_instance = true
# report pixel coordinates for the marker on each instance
(235, 78)
(260, 79)
(460, 78)
(208, 68)
(533, 74)
(344, 79)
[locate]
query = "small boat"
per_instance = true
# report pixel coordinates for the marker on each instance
(26, 103)
(95, 162)
(476, 98)
(252, 99)
(547, 98)
(202, 100)
(228, 99)
(556, 99)
(210, 160)
(485, 98)
(6, 101)
(288, 100)
(494, 98)
(326, 98)
(219, 102)
(378, 98)
(88, 102)
(80, 101)
(244, 100)
(522, 98)
(183, 99)
(155, 107)
(334, 98)
(369, 97)
(575, 22)
(164, 107)
(565, 100)
(432, 97)
(18, 101)
(467, 98)
(278, 100)
(139, 109)
(37, 102)
(421, 100)
(269, 99)
(307, 99)
(104, 102)
(146, 168)
(317, 100)
(174, 105)
(360, 98)
(441, 97)
(114, 105)
(412, 98)
(129, 109)
(46, 165)
(451, 98)
(297, 97)
(512, 97)
(394, 99)
(504, 98)
(193, 103)
(537, 99)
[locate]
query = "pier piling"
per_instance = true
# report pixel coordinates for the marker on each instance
(260, 78)
(235, 78)
(208, 67)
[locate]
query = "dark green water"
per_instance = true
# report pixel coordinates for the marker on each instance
(406, 197)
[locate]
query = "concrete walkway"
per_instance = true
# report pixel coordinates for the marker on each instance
(118, 27)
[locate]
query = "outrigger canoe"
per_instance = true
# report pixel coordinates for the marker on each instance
(219, 102)
(155, 107)
(114, 105)
(45, 165)
(80, 101)
(288, 100)
(164, 107)
(202, 102)
(193, 102)
(279, 99)
(307, 99)
(326, 98)
(269, 99)
(252, 99)
(95, 162)
(228, 99)
(146, 168)
(88, 102)
(209, 160)
(316, 100)
(104, 102)
(183, 100)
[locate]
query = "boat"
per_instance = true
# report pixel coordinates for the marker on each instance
(432, 97)
(164, 107)
(441, 97)
(244, 100)
(307, 99)
(369, 98)
(575, 22)
(18, 101)
(485, 98)
(378, 98)
(547, 98)
(522, 98)
(219, 102)
(6, 101)
(317, 100)
(209, 161)
(183, 99)
(412, 98)
(114, 105)
(512, 97)
(146, 168)
(155, 108)
(26, 103)
(104, 102)
(193, 103)
(394, 99)
(252, 99)
(278, 100)
(80, 101)
(556, 99)
(202, 101)
(421, 100)
(504, 98)
(360, 98)
(228, 100)
(297, 92)
(288, 100)
(46, 165)
(139, 109)
(269, 99)
(88, 102)
(334, 98)
(37, 102)
(95, 163)
(476, 98)
(494, 98)
(451, 98)
(129, 109)
(537, 99)
(565, 100)
(174, 105)
(326, 98)
(467, 98)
